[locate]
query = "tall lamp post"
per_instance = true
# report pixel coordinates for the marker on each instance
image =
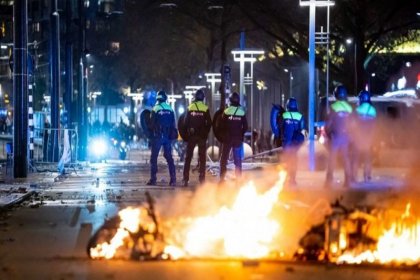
(261, 86)
(172, 99)
(212, 79)
(242, 56)
(189, 95)
(311, 85)
(189, 92)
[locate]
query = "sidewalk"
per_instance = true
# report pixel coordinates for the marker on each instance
(13, 191)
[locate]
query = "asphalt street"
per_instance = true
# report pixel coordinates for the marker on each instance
(45, 236)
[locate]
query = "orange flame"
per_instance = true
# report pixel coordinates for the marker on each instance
(132, 220)
(243, 230)
(398, 244)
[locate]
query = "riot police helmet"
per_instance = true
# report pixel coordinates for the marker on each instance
(364, 97)
(161, 96)
(199, 95)
(340, 92)
(292, 105)
(234, 99)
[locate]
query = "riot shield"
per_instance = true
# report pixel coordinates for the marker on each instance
(275, 119)
(217, 118)
(145, 122)
(182, 128)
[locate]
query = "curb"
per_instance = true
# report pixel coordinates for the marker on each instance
(14, 198)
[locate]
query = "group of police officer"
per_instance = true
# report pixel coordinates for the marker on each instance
(197, 124)
(345, 129)
(350, 136)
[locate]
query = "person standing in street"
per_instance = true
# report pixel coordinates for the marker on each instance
(162, 127)
(233, 127)
(198, 124)
(337, 128)
(364, 135)
(292, 138)
(45, 139)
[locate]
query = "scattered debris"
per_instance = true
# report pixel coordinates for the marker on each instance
(290, 269)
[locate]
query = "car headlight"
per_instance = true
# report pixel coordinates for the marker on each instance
(98, 147)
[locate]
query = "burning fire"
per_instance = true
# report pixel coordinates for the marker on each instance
(400, 243)
(242, 230)
(132, 221)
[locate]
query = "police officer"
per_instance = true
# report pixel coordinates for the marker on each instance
(337, 128)
(233, 127)
(198, 124)
(364, 134)
(292, 137)
(162, 125)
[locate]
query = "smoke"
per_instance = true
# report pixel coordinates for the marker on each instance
(394, 182)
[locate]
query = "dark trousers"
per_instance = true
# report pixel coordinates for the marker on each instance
(167, 154)
(226, 148)
(363, 158)
(290, 159)
(340, 147)
(201, 143)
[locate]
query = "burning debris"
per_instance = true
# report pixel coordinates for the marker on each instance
(133, 234)
(243, 230)
(368, 235)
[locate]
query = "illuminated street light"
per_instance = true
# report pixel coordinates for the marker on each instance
(136, 96)
(212, 79)
(261, 86)
(290, 81)
(311, 85)
(189, 92)
(242, 56)
(349, 41)
(172, 99)
(189, 95)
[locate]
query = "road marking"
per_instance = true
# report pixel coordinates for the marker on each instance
(80, 248)
(75, 217)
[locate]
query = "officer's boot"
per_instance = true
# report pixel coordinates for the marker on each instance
(172, 182)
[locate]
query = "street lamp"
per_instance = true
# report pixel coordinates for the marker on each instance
(189, 92)
(261, 86)
(212, 79)
(242, 56)
(350, 41)
(372, 75)
(311, 86)
(290, 81)
(189, 95)
(172, 99)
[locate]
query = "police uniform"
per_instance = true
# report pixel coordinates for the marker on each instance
(162, 125)
(292, 138)
(337, 128)
(233, 126)
(198, 124)
(363, 137)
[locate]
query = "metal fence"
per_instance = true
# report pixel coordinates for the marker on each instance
(50, 145)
